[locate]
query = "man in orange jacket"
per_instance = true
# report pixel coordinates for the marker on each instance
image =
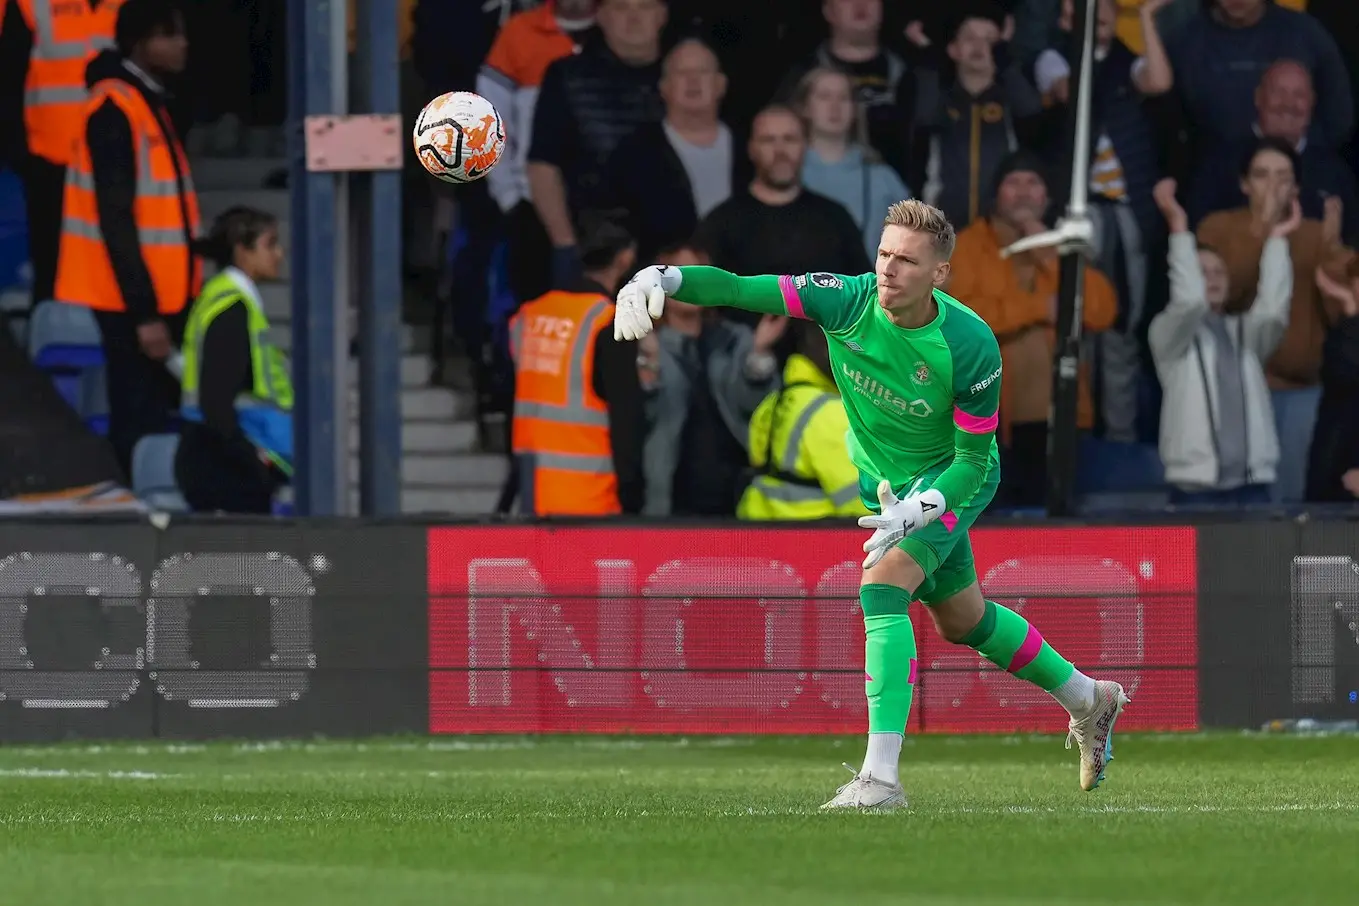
(579, 412)
(1017, 297)
(45, 46)
(129, 219)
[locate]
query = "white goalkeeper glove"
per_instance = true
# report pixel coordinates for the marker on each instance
(642, 300)
(898, 519)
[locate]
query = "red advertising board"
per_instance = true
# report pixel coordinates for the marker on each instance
(758, 630)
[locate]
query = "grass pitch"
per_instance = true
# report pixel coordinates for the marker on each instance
(1229, 819)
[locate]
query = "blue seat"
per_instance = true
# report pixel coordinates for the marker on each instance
(1106, 467)
(94, 399)
(64, 337)
(14, 305)
(68, 385)
(153, 472)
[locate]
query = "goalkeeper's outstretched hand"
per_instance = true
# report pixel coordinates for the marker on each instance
(898, 519)
(642, 301)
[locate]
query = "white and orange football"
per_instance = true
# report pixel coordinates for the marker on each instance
(459, 137)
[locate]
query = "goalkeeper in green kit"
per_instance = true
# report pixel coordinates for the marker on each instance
(919, 374)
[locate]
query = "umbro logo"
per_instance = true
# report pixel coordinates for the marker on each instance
(853, 346)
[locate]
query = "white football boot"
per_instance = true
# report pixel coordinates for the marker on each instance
(1094, 732)
(868, 794)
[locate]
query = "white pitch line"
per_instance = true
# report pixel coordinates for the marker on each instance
(63, 774)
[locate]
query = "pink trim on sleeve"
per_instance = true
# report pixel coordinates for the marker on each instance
(791, 300)
(975, 424)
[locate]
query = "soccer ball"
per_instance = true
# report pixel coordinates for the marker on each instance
(459, 137)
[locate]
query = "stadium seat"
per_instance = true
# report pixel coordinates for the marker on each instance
(64, 337)
(153, 472)
(94, 399)
(68, 384)
(14, 304)
(1106, 467)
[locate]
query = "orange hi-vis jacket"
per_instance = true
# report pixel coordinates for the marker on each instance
(561, 426)
(85, 275)
(67, 34)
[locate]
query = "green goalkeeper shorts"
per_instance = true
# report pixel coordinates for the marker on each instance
(942, 548)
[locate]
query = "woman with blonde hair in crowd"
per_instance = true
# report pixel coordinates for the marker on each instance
(840, 164)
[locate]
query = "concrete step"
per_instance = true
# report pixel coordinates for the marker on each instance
(217, 173)
(454, 471)
(428, 437)
(214, 201)
(428, 404)
(278, 302)
(443, 501)
(415, 372)
(283, 330)
(278, 306)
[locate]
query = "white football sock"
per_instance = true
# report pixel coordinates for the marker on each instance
(884, 751)
(1077, 694)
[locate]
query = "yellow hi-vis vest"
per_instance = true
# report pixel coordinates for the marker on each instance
(797, 441)
(265, 412)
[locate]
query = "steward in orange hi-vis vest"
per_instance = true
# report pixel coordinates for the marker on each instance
(560, 432)
(64, 35)
(164, 210)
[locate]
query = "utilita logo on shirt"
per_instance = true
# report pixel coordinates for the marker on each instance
(884, 397)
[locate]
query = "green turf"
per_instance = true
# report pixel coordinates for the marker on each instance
(1218, 819)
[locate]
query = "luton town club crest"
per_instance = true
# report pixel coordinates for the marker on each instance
(922, 373)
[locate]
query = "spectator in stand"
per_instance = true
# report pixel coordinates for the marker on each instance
(668, 176)
(1218, 440)
(1294, 371)
(1038, 25)
(129, 219)
(881, 79)
(1124, 168)
(1333, 472)
(510, 77)
(589, 103)
(754, 41)
(775, 225)
(797, 443)
(1222, 52)
(1017, 297)
(236, 442)
(579, 421)
(450, 39)
(840, 164)
(45, 46)
(1284, 102)
(710, 375)
(989, 110)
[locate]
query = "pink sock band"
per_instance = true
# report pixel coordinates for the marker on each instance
(1033, 643)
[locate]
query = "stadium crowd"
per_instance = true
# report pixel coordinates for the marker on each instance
(1221, 196)
(1220, 309)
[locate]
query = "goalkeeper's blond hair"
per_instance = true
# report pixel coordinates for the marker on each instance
(914, 214)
